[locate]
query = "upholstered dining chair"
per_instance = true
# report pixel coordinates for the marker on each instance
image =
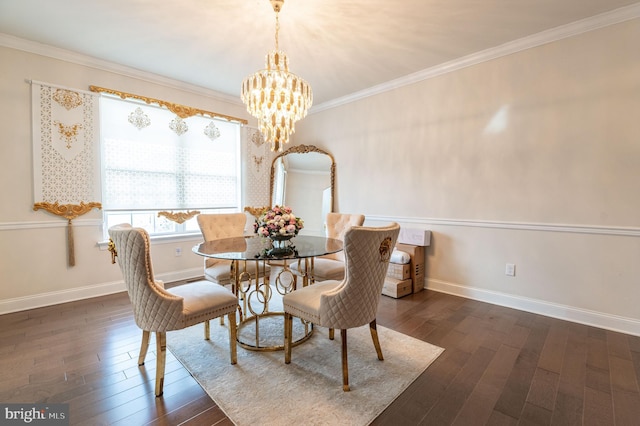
(158, 310)
(351, 302)
(217, 226)
(331, 266)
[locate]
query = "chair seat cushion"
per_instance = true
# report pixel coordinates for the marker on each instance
(305, 302)
(325, 269)
(203, 299)
(220, 272)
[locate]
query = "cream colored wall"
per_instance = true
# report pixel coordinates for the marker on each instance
(33, 267)
(494, 157)
(553, 190)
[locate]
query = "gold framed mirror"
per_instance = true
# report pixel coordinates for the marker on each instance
(303, 177)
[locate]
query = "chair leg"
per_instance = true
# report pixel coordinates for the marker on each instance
(161, 357)
(345, 366)
(233, 338)
(288, 329)
(374, 336)
(331, 334)
(144, 346)
(207, 330)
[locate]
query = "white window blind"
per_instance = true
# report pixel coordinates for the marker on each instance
(153, 160)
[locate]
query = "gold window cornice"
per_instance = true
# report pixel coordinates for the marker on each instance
(181, 111)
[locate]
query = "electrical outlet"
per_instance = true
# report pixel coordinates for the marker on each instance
(178, 251)
(510, 270)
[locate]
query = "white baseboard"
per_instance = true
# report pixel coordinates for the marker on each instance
(63, 296)
(554, 310)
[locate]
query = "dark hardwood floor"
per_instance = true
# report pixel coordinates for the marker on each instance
(500, 367)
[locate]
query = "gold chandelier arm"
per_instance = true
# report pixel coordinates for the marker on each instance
(181, 111)
(179, 217)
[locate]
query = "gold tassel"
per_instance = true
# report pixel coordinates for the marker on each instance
(70, 249)
(69, 212)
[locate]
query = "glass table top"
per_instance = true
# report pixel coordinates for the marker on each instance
(256, 247)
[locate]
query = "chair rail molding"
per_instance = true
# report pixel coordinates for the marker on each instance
(16, 226)
(626, 231)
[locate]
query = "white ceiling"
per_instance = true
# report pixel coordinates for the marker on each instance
(340, 47)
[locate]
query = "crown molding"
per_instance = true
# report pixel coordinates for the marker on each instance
(46, 50)
(569, 30)
(565, 31)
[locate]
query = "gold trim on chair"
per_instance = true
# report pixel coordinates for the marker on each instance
(112, 249)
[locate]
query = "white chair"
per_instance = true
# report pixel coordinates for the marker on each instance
(157, 310)
(331, 266)
(217, 226)
(349, 303)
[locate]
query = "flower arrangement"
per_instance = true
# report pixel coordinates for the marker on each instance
(278, 221)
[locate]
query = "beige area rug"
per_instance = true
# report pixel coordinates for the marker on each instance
(262, 389)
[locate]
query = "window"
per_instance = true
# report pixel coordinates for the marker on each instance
(152, 160)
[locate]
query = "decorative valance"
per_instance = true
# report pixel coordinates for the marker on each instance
(66, 168)
(181, 111)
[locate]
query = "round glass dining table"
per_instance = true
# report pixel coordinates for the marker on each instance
(260, 325)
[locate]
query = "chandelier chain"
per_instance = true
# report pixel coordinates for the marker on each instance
(277, 29)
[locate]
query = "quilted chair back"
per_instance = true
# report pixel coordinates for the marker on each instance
(337, 226)
(217, 226)
(154, 309)
(355, 301)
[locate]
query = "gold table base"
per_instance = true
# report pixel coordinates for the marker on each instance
(257, 336)
(258, 298)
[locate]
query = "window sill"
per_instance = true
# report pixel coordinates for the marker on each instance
(195, 237)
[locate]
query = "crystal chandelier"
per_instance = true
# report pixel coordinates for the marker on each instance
(276, 97)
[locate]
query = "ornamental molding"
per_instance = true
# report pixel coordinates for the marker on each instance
(179, 217)
(181, 111)
(68, 211)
